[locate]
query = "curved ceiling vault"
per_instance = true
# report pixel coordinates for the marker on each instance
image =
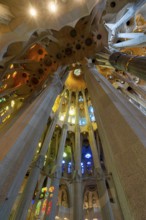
(38, 46)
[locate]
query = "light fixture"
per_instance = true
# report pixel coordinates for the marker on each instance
(87, 155)
(52, 6)
(64, 154)
(14, 74)
(33, 12)
(63, 161)
(7, 107)
(5, 86)
(110, 77)
(12, 103)
(11, 66)
(8, 76)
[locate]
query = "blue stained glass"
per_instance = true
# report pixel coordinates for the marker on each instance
(87, 155)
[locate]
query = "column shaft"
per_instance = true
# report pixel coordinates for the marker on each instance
(129, 63)
(78, 200)
(52, 201)
(56, 179)
(106, 210)
(23, 137)
(105, 205)
(25, 201)
(78, 194)
(122, 130)
(22, 209)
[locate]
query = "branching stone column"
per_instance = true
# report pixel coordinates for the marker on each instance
(136, 87)
(129, 63)
(78, 194)
(26, 198)
(52, 199)
(135, 39)
(18, 144)
(131, 11)
(134, 97)
(45, 171)
(122, 130)
(105, 205)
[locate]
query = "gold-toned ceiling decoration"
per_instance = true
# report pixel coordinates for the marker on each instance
(75, 83)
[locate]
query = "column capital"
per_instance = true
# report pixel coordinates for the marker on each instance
(57, 83)
(65, 126)
(57, 172)
(99, 174)
(40, 161)
(90, 128)
(77, 128)
(77, 175)
(58, 79)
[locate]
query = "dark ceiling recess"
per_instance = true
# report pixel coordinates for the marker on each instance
(128, 23)
(40, 51)
(73, 33)
(34, 80)
(41, 71)
(99, 36)
(24, 75)
(58, 56)
(118, 41)
(78, 46)
(88, 41)
(48, 62)
(113, 4)
(68, 51)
